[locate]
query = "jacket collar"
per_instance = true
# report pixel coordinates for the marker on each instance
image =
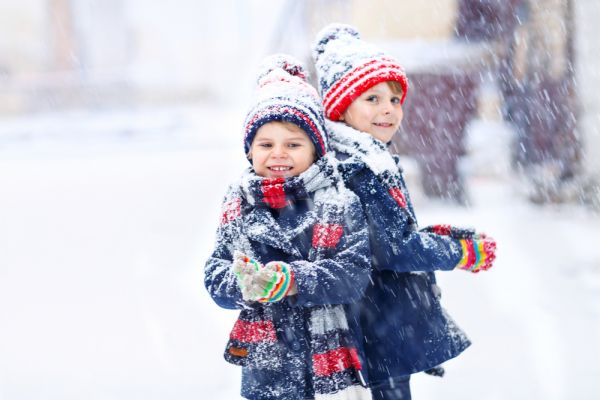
(260, 225)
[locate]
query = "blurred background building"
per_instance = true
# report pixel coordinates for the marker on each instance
(530, 64)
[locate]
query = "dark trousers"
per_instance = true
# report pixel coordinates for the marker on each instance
(393, 389)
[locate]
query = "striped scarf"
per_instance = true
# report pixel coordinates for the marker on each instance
(253, 342)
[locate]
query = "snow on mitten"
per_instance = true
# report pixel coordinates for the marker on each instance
(245, 269)
(479, 250)
(273, 282)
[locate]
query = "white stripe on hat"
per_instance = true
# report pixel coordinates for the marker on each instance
(332, 99)
(370, 63)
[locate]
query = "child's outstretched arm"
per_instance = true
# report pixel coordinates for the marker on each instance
(397, 245)
(477, 249)
(427, 250)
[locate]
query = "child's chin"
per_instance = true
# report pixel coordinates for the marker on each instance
(384, 135)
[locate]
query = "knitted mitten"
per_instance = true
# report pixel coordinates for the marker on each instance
(479, 253)
(478, 250)
(245, 269)
(273, 282)
(268, 283)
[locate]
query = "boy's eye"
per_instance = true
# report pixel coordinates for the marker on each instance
(395, 100)
(294, 145)
(265, 145)
(372, 98)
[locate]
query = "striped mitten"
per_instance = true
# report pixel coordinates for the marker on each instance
(479, 253)
(273, 282)
(478, 250)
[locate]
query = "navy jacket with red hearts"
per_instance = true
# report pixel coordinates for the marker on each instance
(405, 327)
(331, 265)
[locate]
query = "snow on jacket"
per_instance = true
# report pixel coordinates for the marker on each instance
(330, 262)
(406, 329)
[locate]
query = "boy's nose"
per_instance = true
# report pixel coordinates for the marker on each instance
(279, 151)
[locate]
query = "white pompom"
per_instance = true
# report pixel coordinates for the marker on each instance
(332, 32)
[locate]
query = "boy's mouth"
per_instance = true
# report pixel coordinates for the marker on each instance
(383, 124)
(279, 169)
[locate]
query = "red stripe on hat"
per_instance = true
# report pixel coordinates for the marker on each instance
(295, 112)
(347, 89)
(338, 360)
(395, 72)
(397, 194)
(274, 193)
(253, 332)
(326, 235)
(343, 82)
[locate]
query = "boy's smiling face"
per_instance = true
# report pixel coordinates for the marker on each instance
(377, 111)
(280, 150)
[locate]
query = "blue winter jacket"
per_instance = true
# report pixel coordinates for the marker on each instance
(405, 327)
(340, 278)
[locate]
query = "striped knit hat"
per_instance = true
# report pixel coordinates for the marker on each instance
(347, 67)
(283, 94)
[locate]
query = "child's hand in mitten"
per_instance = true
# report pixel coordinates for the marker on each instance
(479, 250)
(245, 269)
(479, 253)
(272, 282)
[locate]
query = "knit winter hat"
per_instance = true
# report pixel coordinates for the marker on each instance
(347, 67)
(283, 94)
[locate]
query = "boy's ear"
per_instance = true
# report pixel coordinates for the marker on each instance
(249, 155)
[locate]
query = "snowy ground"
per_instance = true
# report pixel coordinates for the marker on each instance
(106, 219)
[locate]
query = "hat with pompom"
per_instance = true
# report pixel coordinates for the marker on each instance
(283, 94)
(348, 66)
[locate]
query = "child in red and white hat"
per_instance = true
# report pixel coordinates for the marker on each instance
(405, 328)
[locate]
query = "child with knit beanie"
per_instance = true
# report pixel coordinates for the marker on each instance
(292, 252)
(405, 328)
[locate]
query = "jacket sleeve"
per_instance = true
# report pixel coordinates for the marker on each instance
(341, 275)
(219, 279)
(396, 244)
(423, 251)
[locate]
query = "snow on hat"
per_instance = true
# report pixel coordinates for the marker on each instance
(348, 66)
(283, 94)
